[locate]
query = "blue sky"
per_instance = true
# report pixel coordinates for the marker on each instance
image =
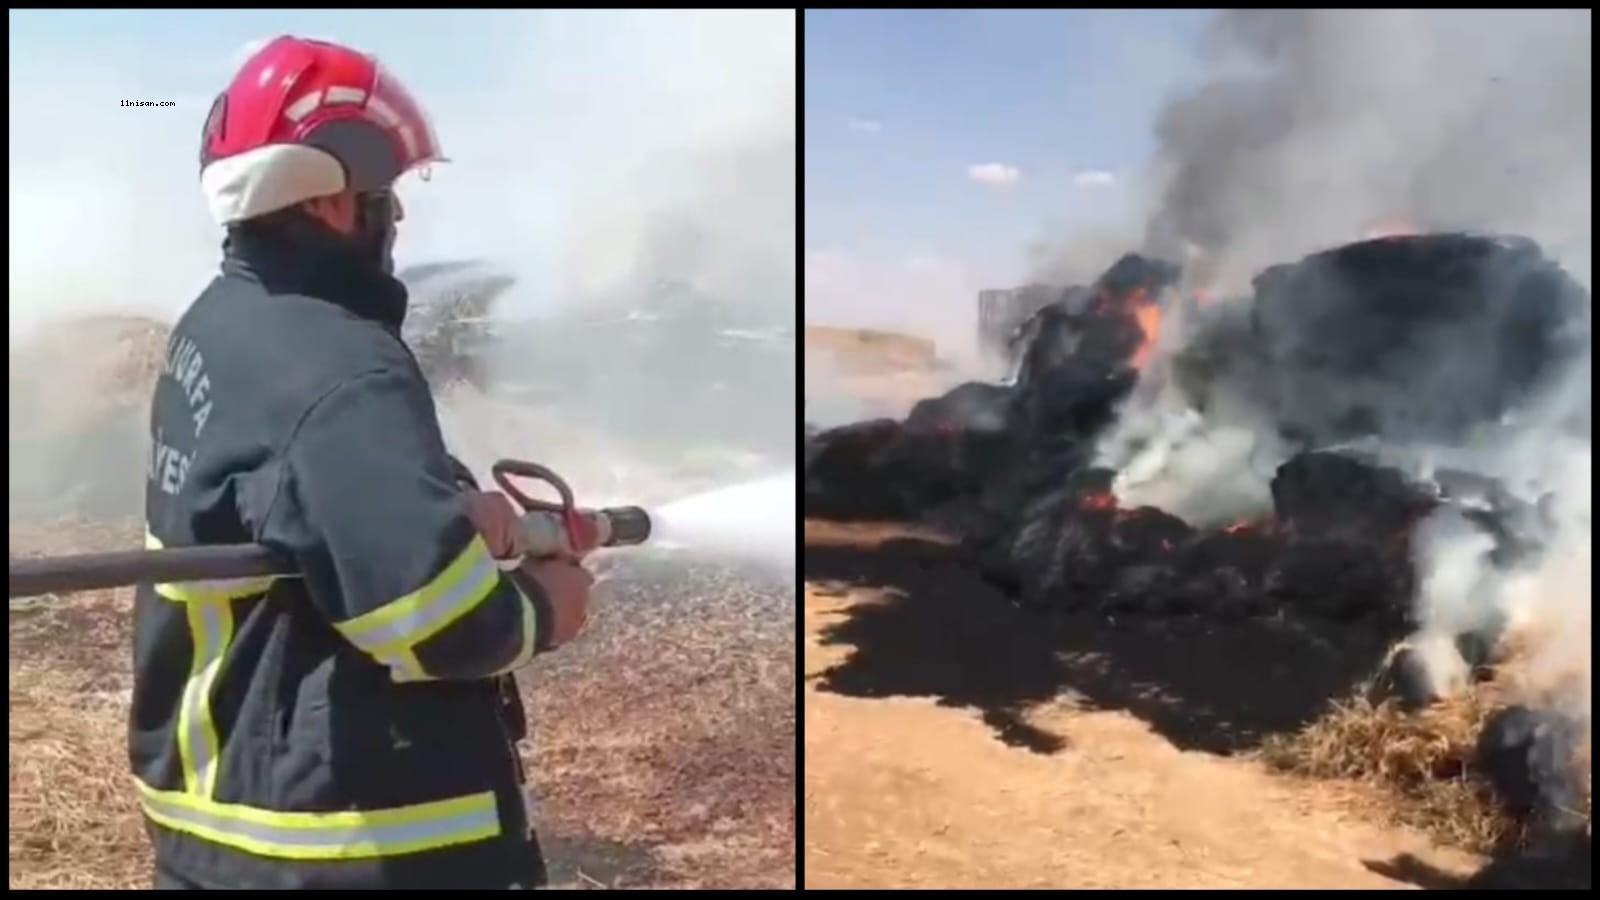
(175, 50)
(899, 105)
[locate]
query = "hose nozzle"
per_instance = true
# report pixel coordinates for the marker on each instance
(625, 526)
(547, 533)
(555, 529)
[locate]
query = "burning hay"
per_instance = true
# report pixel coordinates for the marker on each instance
(1383, 437)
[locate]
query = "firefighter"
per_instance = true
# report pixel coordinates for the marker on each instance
(354, 726)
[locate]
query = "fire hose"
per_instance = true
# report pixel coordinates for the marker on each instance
(549, 530)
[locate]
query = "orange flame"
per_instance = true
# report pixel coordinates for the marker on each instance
(1149, 319)
(1389, 228)
(1098, 500)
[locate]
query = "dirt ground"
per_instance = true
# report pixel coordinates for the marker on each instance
(663, 740)
(936, 758)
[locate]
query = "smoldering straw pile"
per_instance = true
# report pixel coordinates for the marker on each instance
(1368, 489)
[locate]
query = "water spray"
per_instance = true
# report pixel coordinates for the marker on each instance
(753, 520)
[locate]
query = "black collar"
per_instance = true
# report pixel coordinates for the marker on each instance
(301, 256)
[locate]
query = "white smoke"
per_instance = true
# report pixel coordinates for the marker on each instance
(601, 154)
(1310, 128)
(618, 149)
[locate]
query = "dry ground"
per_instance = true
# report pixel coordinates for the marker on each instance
(663, 741)
(907, 787)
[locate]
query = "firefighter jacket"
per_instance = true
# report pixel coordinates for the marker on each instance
(347, 726)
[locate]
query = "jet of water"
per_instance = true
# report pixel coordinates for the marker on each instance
(754, 521)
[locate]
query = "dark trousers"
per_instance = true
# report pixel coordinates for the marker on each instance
(165, 882)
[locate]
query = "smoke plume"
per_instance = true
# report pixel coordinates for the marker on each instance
(1316, 125)
(1317, 128)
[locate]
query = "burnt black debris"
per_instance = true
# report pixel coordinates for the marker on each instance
(1359, 341)
(1527, 755)
(1076, 550)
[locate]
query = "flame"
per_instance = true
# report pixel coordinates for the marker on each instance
(1149, 319)
(1388, 228)
(1267, 525)
(1098, 500)
(1146, 313)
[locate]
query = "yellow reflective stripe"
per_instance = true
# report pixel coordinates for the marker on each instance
(395, 628)
(208, 607)
(404, 667)
(530, 628)
(330, 835)
(211, 631)
(208, 591)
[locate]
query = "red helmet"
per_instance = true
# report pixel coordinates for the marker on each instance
(306, 119)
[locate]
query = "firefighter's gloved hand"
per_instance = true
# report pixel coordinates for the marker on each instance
(497, 520)
(566, 586)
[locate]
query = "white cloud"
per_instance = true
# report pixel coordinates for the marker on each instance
(1093, 178)
(994, 174)
(870, 126)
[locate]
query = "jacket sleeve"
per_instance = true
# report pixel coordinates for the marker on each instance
(370, 508)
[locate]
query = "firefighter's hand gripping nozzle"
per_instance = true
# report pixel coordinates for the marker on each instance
(563, 529)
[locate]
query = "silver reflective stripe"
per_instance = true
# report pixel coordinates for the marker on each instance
(338, 94)
(303, 107)
(405, 631)
(330, 835)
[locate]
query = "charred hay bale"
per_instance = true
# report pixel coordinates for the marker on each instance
(1077, 551)
(1077, 397)
(1030, 558)
(1137, 272)
(1411, 675)
(1022, 484)
(973, 406)
(1531, 759)
(1405, 680)
(1421, 337)
(1223, 574)
(1142, 549)
(1329, 494)
(1342, 581)
(852, 473)
(882, 470)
